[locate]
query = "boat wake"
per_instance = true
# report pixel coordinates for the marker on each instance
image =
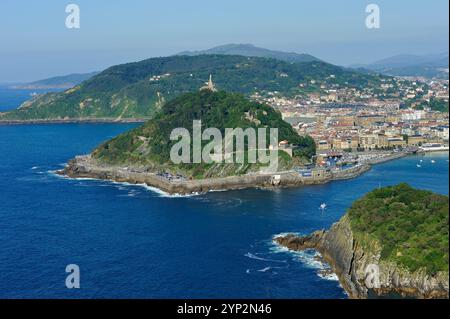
(252, 256)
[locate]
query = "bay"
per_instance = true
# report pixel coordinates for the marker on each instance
(135, 242)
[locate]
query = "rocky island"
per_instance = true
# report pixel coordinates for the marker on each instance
(393, 241)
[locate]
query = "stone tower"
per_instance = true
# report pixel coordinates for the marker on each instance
(209, 85)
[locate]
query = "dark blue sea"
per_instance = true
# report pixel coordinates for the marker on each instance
(133, 242)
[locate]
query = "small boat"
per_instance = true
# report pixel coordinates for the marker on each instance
(433, 161)
(322, 207)
(419, 165)
(421, 161)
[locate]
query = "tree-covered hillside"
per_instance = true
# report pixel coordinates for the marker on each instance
(150, 144)
(57, 82)
(411, 225)
(138, 90)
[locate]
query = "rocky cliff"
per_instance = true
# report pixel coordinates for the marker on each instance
(360, 268)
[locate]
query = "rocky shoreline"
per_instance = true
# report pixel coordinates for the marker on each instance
(88, 167)
(351, 263)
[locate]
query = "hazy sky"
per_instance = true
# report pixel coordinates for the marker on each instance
(35, 43)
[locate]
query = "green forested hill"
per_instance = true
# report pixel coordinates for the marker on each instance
(57, 82)
(411, 225)
(137, 90)
(150, 144)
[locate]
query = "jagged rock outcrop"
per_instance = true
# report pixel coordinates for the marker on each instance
(356, 265)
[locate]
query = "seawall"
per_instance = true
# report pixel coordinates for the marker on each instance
(87, 167)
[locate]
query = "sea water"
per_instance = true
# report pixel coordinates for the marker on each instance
(135, 242)
(11, 99)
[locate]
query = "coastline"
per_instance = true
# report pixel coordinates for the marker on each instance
(71, 121)
(349, 260)
(87, 167)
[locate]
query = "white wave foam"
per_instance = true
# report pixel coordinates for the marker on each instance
(218, 190)
(85, 179)
(265, 269)
(162, 193)
(158, 191)
(331, 277)
(252, 256)
(276, 248)
(54, 173)
(280, 249)
(310, 258)
(286, 234)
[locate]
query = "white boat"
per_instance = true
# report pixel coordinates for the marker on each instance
(419, 166)
(433, 147)
(433, 161)
(322, 207)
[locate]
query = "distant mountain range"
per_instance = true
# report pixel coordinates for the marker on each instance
(57, 82)
(253, 51)
(249, 50)
(430, 66)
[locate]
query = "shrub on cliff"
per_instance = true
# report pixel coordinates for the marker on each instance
(411, 225)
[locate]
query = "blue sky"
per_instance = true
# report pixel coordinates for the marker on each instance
(34, 42)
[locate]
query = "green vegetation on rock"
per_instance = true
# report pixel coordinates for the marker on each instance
(149, 145)
(410, 225)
